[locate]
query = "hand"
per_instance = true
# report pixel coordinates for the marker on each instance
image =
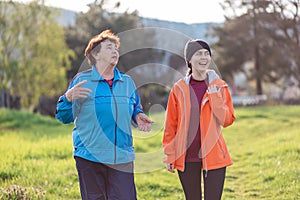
(143, 122)
(213, 89)
(170, 167)
(77, 91)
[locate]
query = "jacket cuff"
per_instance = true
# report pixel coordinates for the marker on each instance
(65, 99)
(170, 159)
(133, 121)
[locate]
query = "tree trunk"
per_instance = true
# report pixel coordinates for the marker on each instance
(258, 72)
(259, 90)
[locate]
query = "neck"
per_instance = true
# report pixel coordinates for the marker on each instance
(199, 75)
(105, 71)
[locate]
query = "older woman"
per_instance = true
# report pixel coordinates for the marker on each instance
(103, 103)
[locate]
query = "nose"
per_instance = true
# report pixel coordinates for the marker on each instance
(116, 51)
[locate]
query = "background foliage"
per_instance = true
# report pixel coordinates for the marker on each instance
(265, 33)
(33, 52)
(38, 57)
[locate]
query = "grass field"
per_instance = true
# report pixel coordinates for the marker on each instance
(36, 157)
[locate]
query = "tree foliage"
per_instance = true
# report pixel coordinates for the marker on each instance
(34, 55)
(262, 32)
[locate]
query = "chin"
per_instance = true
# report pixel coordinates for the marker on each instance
(203, 68)
(115, 62)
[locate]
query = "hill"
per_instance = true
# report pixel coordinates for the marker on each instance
(196, 30)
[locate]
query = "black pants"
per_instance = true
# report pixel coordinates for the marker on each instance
(191, 182)
(103, 182)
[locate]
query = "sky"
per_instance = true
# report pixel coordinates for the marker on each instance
(187, 11)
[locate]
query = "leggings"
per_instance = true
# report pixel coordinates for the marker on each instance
(191, 182)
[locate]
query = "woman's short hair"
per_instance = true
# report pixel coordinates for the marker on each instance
(95, 44)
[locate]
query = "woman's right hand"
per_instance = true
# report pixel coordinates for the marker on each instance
(170, 167)
(77, 91)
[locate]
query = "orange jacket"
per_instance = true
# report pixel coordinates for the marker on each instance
(216, 112)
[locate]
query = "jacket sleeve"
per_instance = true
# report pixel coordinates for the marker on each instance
(64, 108)
(171, 123)
(64, 111)
(221, 105)
(138, 108)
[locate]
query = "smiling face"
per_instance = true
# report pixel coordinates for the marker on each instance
(200, 60)
(108, 53)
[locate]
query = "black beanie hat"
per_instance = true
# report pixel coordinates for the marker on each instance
(192, 46)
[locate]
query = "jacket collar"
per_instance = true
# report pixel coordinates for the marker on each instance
(212, 75)
(96, 76)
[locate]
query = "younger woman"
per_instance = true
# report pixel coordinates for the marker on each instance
(198, 106)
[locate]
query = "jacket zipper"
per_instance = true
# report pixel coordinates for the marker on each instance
(116, 122)
(204, 101)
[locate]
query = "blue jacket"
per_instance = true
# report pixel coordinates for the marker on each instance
(102, 131)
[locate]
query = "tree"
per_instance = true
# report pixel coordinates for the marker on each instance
(252, 33)
(288, 32)
(34, 55)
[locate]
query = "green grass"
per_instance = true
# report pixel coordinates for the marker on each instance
(36, 157)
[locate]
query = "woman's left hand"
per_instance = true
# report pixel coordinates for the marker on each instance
(143, 122)
(213, 89)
